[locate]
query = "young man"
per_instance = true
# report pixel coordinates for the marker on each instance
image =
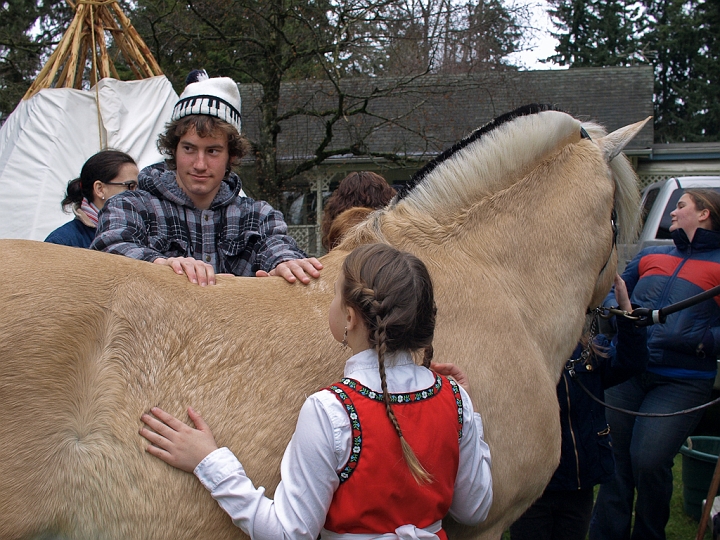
(188, 213)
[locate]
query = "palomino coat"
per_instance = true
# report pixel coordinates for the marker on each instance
(514, 225)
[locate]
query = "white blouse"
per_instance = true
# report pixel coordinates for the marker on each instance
(320, 448)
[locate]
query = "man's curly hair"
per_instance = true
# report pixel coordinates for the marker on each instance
(205, 126)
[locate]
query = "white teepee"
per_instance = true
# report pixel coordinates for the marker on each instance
(58, 126)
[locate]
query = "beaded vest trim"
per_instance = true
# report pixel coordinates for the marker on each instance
(364, 391)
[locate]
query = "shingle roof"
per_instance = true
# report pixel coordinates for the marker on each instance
(433, 112)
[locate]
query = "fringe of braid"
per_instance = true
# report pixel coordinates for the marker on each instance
(416, 469)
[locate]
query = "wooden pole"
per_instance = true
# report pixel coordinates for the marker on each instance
(86, 34)
(121, 40)
(104, 57)
(714, 484)
(47, 73)
(72, 61)
(154, 67)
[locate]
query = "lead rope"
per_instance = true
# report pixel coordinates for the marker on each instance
(585, 355)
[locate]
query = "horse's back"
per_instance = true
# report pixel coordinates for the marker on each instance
(90, 341)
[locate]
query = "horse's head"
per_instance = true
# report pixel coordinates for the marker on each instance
(533, 194)
(625, 215)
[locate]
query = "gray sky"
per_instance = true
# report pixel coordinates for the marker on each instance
(542, 44)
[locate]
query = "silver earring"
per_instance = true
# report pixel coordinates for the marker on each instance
(344, 342)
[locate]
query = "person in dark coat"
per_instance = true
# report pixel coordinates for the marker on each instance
(563, 511)
(680, 374)
(105, 174)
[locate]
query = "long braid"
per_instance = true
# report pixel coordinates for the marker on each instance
(427, 356)
(419, 473)
(393, 293)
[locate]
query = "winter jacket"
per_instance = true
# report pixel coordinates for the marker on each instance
(235, 235)
(74, 233)
(586, 457)
(663, 275)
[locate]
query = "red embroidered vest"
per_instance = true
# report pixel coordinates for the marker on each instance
(377, 492)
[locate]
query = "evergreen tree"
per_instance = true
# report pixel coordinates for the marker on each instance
(679, 37)
(684, 36)
(595, 33)
(29, 29)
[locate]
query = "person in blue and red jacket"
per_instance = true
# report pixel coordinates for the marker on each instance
(680, 373)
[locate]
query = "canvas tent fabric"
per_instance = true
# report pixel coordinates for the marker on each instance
(46, 140)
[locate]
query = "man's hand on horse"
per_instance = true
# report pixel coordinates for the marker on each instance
(298, 269)
(175, 442)
(196, 271)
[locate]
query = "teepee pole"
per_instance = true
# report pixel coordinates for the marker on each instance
(67, 75)
(130, 48)
(71, 65)
(47, 73)
(104, 66)
(122, 43)
(144, 52)
(86, 36)
(93, 50)
(83, 51)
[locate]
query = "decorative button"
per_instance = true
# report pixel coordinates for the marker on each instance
(207, 217)
(207, 258)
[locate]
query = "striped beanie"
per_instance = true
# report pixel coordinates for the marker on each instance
(217, 97)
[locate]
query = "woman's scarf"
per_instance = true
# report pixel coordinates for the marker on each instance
(90, 211)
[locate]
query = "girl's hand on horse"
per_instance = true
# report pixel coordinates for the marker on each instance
(451, 370)
(175, 442)
(621, 294)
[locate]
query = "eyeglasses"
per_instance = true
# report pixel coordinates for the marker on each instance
(130, 184)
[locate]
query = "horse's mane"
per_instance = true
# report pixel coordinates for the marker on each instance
(498, 154)
(533, 108)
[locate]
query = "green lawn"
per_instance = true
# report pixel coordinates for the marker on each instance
(681, 526)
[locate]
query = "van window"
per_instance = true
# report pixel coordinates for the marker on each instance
(663, 231)
(650, 197)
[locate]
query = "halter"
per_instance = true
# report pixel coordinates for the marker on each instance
(613, 224)
(613, 216)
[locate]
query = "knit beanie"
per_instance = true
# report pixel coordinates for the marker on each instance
(217, 96)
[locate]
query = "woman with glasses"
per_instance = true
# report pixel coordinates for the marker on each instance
(105, 174)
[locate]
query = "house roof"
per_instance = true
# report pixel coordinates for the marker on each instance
(421, 117)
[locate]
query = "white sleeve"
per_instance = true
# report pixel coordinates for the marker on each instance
(473, 495)
(309, 479)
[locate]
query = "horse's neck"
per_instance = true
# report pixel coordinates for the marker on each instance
(536, 246)
(490, 164)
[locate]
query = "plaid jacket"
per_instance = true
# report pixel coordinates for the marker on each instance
(235, 235)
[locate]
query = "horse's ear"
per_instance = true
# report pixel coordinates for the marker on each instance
(613, 143)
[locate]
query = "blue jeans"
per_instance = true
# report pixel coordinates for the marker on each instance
(644, 449)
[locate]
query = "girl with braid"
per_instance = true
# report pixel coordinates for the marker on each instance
(387, 452)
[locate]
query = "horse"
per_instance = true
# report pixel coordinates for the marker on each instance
(515, 224)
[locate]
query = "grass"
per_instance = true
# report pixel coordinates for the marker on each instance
(680, 526)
